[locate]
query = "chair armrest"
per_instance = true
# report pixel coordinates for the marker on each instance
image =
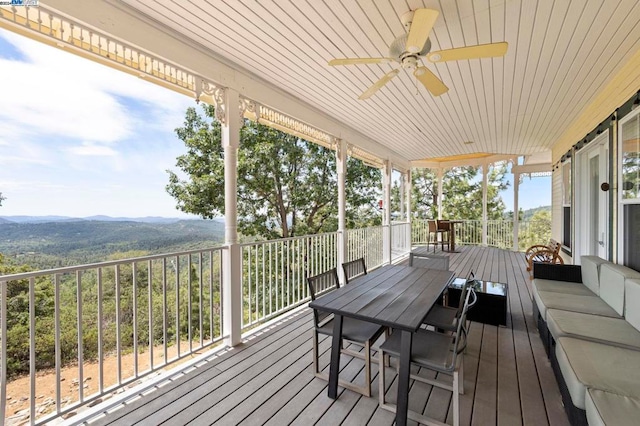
(549, 271)
(534, 249)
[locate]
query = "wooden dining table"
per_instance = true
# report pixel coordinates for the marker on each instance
(452, 234)
(398, 297)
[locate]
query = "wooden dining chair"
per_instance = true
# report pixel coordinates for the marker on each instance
(354, 269)
(438, 235)
(354, 331)
(434, 351)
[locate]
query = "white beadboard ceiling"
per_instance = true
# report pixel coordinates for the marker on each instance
(561, 54)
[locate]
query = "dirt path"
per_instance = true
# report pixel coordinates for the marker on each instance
(18, 390)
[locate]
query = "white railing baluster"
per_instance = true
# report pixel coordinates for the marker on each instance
(150, 311)
(56, 320)
(100, 333)
(165, 320)
(134, 280)
(177, 272)
(118, 328)
(189, 303)
(200, 304)
(80, 336)
(32, 349)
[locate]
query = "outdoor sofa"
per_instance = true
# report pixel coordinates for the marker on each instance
(589, 322)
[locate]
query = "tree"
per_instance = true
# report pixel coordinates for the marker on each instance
(1, 198)
(286, 186)
(462, 193)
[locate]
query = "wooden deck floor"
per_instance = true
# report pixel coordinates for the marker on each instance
(268, 379)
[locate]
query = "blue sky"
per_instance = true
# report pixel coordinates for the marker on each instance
(79, 139)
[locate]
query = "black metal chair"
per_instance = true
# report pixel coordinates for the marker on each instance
(446, 318)
(359, 332)
(434, 351)
(354, 269)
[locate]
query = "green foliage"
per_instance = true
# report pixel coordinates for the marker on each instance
(1, 198)
(286, 186)
(537, 230)
(55, 244)
(462, 193)
(192, 286)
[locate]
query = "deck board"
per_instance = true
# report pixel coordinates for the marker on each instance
(268, 379)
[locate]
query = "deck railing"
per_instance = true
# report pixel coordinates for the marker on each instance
(367, 243)
(400, 239)
(149, 312)
(104, 326)
(499, 232)
(274, 274)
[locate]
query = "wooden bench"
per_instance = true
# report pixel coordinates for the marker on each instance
(549, 253)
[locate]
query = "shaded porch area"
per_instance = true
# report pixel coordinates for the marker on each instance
(268, 379)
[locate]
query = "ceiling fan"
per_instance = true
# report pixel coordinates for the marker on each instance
(409, 48)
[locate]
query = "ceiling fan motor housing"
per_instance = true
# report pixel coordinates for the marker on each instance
(398, 52)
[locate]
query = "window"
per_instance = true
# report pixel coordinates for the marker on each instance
(566, 204)
(630, 161)
(629, 184)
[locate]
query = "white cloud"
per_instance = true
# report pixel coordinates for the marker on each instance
(78, 138)
(59, 93)
(88, 149)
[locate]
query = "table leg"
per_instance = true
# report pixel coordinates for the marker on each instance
(334, 367)
(403, 378)
(452, 237)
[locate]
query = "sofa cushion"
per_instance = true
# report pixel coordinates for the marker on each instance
(591, 272)
(561, 287)
(572, 302)
(632, 302)
(585, 364)
(606, 408)
(597, 328)
(612, 278)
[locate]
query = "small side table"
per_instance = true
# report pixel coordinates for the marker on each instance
(492, 301)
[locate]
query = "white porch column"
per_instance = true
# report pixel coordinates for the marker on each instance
(231, 258)
(440, 197)
(341, 168)
(407, 198)
(485, 175)
(386, 212)
(402, 206)
(516, 217)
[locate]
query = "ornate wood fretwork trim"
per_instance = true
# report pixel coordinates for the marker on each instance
(45, 25)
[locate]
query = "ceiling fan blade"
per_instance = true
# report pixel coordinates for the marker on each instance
(430, 81)
(356, 61)
(471, 52)
(421, 25)
(378, 84)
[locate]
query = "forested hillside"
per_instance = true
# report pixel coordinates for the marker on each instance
(60, 243)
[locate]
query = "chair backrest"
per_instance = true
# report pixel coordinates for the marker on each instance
(460, 341)
(423, 260)
(354, 269)
(433, 225)
(319, 285)
(443, 225)
(466, 289)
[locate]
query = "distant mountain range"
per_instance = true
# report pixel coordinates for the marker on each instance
(51, 241)
(101, 218)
